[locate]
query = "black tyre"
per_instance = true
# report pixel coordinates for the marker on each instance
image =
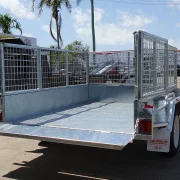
(174, 138)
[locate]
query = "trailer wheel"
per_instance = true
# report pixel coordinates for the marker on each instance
(174, 138)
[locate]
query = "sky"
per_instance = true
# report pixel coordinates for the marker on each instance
(115, 22)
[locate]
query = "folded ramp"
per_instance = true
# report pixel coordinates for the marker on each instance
(100, 139)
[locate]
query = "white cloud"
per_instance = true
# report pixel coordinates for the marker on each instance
(117, 32)
(112, 35)
(17, 8)
(174, 42)
(46, 29)
(81, 17)
(98, 14)
(28, 34)
(178, 25)
(138, 20)
(173, 3)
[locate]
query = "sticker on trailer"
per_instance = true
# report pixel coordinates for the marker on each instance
(163, 142)
(161, 145)
(160, 141)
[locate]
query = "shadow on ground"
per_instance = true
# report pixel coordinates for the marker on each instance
(74, 162)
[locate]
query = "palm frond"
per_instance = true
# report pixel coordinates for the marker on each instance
(16, 25)
(33, 3)
(68, 5)
(78, 2)
(7, 23)
(41, 6)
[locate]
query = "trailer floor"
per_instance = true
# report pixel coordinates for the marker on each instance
(107, 125)
(110, 117)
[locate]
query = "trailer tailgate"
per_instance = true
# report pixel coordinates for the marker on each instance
(110, 140)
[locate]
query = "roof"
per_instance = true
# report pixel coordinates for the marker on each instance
(13, 40)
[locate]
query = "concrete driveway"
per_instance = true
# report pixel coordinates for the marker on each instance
(24, 160)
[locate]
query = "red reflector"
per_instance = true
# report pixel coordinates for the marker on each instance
(148, 106)
(145, 126)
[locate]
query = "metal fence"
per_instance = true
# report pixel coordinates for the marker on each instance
(115, 67)
(27, 68)
(156, 65)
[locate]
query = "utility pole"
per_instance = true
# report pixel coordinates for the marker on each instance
(93, 29)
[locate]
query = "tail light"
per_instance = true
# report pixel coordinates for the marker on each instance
(148, 106)
(145, 126)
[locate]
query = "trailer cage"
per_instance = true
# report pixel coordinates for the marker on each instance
(71, 97)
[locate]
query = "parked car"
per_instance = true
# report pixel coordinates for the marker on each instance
(111, 72)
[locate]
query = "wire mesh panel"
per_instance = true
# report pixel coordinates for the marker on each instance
(26, 68)
(153, 70)
(53, 65)
(77, 63)
(61, 68)
(112, 67)
(172, 54)
(178, 57)
(20, 68)
(156, 64)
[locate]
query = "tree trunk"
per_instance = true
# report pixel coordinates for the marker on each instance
(56, 17)
(57, 29)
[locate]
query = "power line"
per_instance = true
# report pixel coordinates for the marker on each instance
(152, 1)
(143, 2)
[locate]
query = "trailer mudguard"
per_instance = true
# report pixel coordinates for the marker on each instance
(174, 109)
(161, 136)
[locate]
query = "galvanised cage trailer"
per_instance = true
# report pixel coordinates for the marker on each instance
(101, 100)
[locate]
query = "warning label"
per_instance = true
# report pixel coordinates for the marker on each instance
(160, 142)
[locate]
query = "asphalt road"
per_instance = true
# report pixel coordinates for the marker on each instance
(24, 159)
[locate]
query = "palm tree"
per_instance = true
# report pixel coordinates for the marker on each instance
(92, 23)
(55, 6)
(7, 23)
